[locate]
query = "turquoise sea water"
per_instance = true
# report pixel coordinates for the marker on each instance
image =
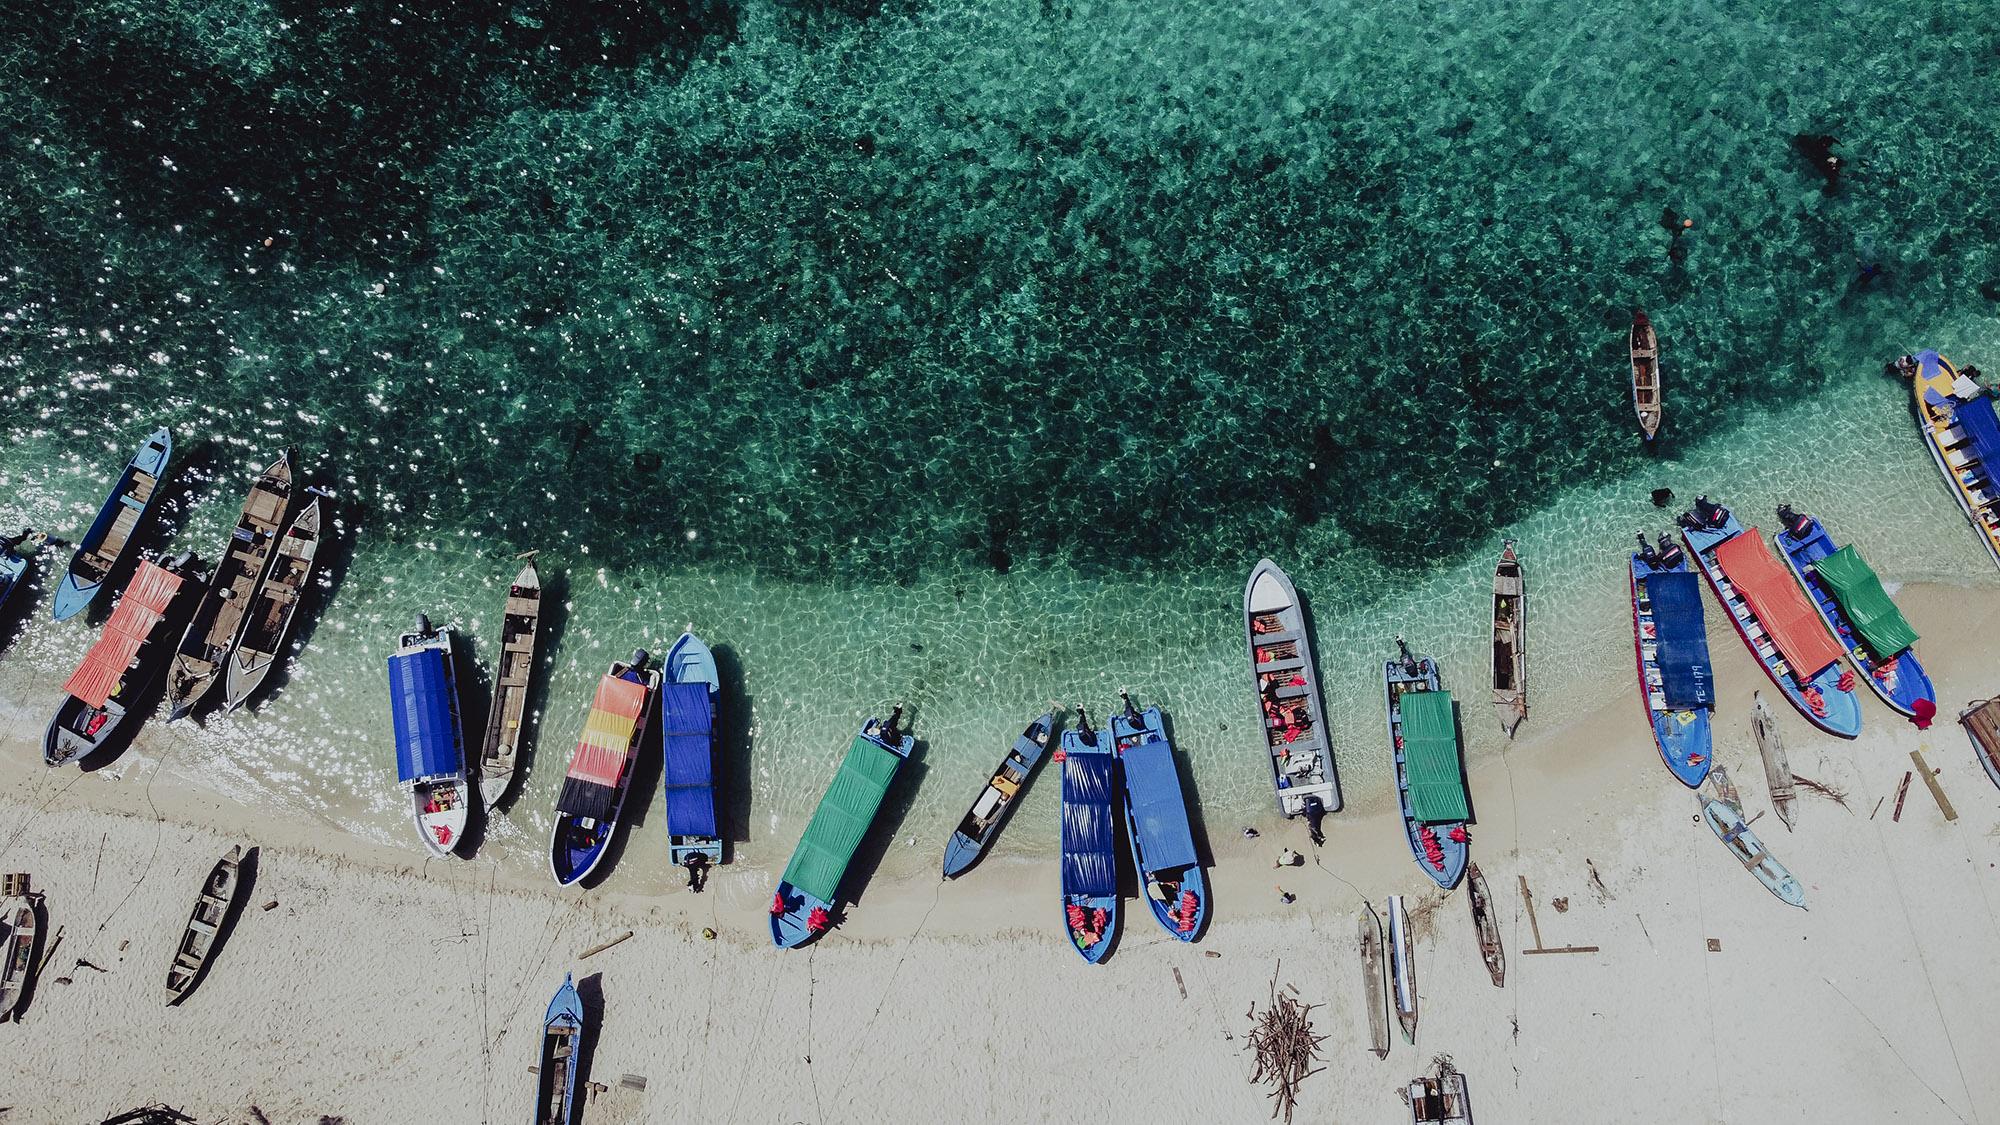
(968, 354)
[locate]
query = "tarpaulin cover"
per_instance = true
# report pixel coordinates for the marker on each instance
(1792, 623)
(1158, 808)
(842, 819)
(1682, 652)
(687, 725)
(1875, 618)
(1089, 867)
(590, 789)
(421, 704)
(1983, 430)
(146, 599)
(1430, 758)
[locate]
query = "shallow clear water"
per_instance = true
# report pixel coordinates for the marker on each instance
(1015, 332)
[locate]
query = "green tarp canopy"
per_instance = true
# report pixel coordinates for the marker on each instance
(842, 819)
(1875, 618)
(1430, 758)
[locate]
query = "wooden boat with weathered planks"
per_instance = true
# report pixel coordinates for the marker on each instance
(1374, 988)
(1486, 925)
(1510, 641)
(1292, 713)
(211, 637)
(995, 802)
(1961, 428)
(562, 1037)
(1646, 391)
(1981, 720)
(1402, 969)
(18, 926)
(1777, 768)
(520, 620)
(1441, 1100)
(273, 608)
(202, 939)
(113, 534)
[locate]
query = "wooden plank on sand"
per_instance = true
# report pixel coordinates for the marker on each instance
(1931, 782)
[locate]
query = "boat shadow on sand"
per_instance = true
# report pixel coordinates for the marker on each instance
(246, 886)
(589, 990)
(881, 836)
(732, 750)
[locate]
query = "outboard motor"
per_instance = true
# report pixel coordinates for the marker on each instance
(423, 623)
(1671, 555)
(1793, 521)
(1712, 515)
(1410, 664)
(1646, 553)
(1315, 812)
(1689, 521)
(639, 658)
(1132, 714)
(1083, 728)
(891, 730)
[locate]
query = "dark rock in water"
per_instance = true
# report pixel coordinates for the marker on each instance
(865, 145)
(646, 461)
(1662, 497)
(1817, 148)
(1990, 290)
(915, 647)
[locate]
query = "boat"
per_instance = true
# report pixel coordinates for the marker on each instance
(1777, 768)
(1292, 713)
(1510, 641)
(600, 772)
(211, 637)
(1725, 789)
(562, 1038)
(1960, 429)
(203, 938)
(1981, 720)
(111, 535)
(272, 608)
(123, 664)
(995, 802)
(519, 620)
(808, 894)
(1670, 642)
(1374, 989)
(1402, 969)
(18, 926)
(1156, 822)
(430, 740)
(1440, 1099)
(1777, 623)
(1089, 859)
(1857, 610)
(1486, 925)
(1646, 397)
(687, 742)
(16, 555)
(1423, 738)
(1726, 821)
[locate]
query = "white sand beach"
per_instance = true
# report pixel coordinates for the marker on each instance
(381, 988)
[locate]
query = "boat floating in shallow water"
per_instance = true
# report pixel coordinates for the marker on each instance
(1510, 640)
(1156, 823)
(1670, 640)
(600, 772)
(500, 749)
(115, 531)
(808, 894)
(273, 607)
(125, 661)
(1089, 856)
(1423, 738)
(687, 749)
(1776, 622)
(1962, 432)
(995, 803)
(1851, 601)
(1644, 346)
(1292, 714)
(430, 740)
(218, 624)
(1726, 821)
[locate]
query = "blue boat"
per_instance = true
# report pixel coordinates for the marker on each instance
(1156, 821)
(16, 554)
(1776, 622)
(995, 802)
(687, 743)
(430, 739)
(1670, 641)
(562, 1037)
(1851, 601)
(600, 772)
(809, 892)
(112, 534)
(1089, 855)
(1430, 783)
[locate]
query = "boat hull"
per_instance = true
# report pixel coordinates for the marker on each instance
(1284, 682)
(1454, 853)
(88, 567)
(691, 661)
(1936, 376)
(1510, 641)
(792, 926)
(978, 830)
(1374, 981)
(1685, 737)
(520, 625)
(265, 627)
(65, 741)
(438, 807)
(1190, 879)
(18, 927)
(562, 1038)
(202, 940)
(1402, 969)
(1727, 824)
(1900, 681)
(1480, 899)
(1083, 898)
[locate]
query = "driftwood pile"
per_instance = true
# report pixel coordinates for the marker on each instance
(1287, 1050)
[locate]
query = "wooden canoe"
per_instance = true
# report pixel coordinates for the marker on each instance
(1510, 641)
(1645, 347)
(272, 608)
(562, 1039)
(115, 532)
(1777, 768)
(1981, 721)
(1402, 969)
(17, 943)
(211, 637)
(519, 624)
(1374, 991)
(1486, 925)
(202, 939)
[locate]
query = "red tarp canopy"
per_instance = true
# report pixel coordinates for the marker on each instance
(146, 599)
(1781, 607)
(607, 733)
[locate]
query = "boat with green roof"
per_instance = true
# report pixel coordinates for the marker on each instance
(1423, 735)
(809, 892)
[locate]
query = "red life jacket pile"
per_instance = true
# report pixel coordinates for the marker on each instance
(817, 920)
(1885, 669)
(1059, 756)
(1846, 681)
(1815, 700)
(1459, 835)
(95, 724)
(777, 903)
(1086, 929)
(1185, 918)
(1433, 851)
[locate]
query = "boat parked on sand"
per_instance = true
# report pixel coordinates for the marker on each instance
(687, 749)
(123, 664)
(1440, 1100)
(808, 893)
(1776, 622)
(600, 772)
(1423, 738)
(1726, 821)
(1089, 855)
(1510, 640)
(17, 553)
(1292, 713)
(430, 740)
(990, 810)
(562, 1038)
(1374, 986)
(1777, 768)
(18, 926)
(1962, 433)
(1670, 640)
(1156, 822)
(1857, 610)
(218, 623)
(1402, 969)
(202, 939)
(1485, 925)
(114, 533)
(1981, 720)
(500, 749)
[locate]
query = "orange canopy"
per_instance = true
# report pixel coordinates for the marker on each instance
(608, 733)
(1781, 607)
(146, 599)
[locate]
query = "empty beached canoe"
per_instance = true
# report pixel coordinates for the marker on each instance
(202, 939)
(562, 1040)
(18, 926)
(1726, 821)
(500, 749)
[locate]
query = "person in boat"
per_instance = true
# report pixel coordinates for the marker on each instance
(1315, 811)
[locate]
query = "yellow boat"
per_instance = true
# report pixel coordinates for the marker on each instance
(1960, 427)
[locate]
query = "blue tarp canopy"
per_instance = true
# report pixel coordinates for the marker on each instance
(1089, 866)
(687, 736)
(1159, 810)
(421, 704)
(1976, 419)
(1682, 640)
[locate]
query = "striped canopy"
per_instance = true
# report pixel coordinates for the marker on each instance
(146, 600)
